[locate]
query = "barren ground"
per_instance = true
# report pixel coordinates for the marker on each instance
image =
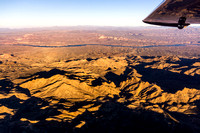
(51, 82)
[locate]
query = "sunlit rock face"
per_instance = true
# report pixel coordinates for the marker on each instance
(105, 94)
(104, 80)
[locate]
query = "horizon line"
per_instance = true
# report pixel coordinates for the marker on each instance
(100, 26)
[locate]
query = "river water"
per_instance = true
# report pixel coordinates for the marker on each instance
(81, 45)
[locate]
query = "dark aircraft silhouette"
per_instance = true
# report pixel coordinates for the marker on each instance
(175, 13)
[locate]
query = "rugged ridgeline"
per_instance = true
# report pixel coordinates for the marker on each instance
(114, 94)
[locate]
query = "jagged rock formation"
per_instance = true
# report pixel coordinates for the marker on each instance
(114, 94)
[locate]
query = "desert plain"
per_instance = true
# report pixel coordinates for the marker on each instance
(100, 79)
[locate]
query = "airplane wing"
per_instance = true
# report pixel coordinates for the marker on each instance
(176, 13)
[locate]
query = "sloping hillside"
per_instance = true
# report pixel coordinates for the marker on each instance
(113, 94)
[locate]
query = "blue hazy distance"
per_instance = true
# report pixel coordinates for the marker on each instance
(40, 13)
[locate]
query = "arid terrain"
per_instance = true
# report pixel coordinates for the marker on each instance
(100, 80)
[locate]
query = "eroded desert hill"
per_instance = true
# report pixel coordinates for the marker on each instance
(108, 94)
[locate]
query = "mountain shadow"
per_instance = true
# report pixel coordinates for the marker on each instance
(169, 81)
(53, 72)
(31, 109)
(115, 117)
(45, 74)
(111, 117)
(184, 62)
(112, 77)
(6, 86)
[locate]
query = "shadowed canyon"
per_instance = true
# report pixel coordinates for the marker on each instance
(126, 83)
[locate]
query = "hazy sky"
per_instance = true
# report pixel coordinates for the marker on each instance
(40, 13)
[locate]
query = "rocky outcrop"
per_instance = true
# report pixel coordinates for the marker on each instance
(115, 94)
